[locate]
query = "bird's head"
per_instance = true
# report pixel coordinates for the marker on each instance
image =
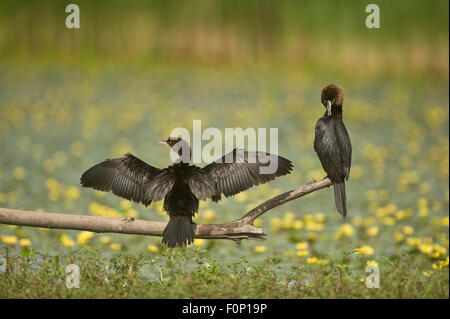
(180, 147)
(332, 98)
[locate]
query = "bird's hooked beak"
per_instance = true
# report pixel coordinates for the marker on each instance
(328, 106)
(164, 143)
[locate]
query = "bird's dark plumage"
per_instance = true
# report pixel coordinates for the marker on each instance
(332, 144)
(182, 185)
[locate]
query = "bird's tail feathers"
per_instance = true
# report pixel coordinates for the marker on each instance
(340, 198)
(179, 232)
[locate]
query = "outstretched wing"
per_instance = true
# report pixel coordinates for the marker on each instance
(235, 172)
(130, 178)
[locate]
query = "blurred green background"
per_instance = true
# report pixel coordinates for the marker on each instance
(324, 36)
(70, 98)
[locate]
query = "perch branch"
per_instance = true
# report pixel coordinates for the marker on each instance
(236, 230)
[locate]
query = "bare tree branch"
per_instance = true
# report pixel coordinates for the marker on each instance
(236, 230)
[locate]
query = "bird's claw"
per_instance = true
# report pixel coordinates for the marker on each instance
(128, 219)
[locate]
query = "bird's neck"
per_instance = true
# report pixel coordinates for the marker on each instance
(336, 112)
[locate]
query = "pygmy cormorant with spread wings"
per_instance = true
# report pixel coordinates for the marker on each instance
(182, 185)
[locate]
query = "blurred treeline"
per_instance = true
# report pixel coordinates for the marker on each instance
(413, 37)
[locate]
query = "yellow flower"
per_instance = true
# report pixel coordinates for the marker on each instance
(241, 197)
(288, 220)
(103, 210)
(159, 208)
(316, 174)
(10, 240)
(260, 249)
(372, 231)
(72, 192)
(426, 273)
(19, 173)
(257, 222)
(25, 242)
(422, 203)
(66, 241)
(105, 240)
(424, 211)
(445, 221)
(311, 225)
(52, 184)
(408, 230)
(312, 260)
(84, 237)
(426, 249)
(302, 253)
(322, 261)
(125, 204)
(153, 249)
(413, 242)
(389, 221)
(357, 221)
(320, 217)
(302, 246)
(368, 221)
(345, 230)
(209, 214)
(115, 246)
(372, 263)
(401, 214)
(398, 237)
(298, 224)
(364, 250)
(439, 249)
(132, 213)
(443, 263)
(275, 223)
(198, 242)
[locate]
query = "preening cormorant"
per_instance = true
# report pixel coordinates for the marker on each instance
(332, 144)
(182, 185)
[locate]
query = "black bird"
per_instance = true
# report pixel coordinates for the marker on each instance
(332, 144)
(182, 185)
